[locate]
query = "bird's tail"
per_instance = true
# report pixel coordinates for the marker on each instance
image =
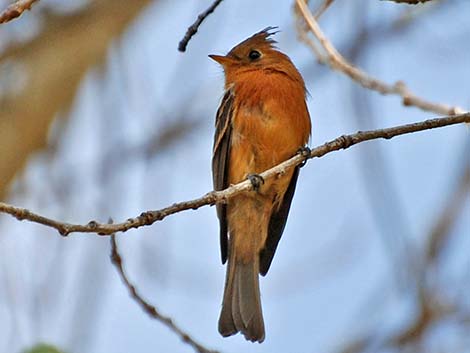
(241, 306)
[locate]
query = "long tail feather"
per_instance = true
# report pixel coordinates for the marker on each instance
(241, 306)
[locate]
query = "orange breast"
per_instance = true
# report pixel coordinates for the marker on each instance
(270, 122)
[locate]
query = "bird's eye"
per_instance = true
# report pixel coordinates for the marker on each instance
(254, 55)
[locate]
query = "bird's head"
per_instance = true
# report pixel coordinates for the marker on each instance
(256, 53)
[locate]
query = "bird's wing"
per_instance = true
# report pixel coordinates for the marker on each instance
(277, 224)
(220, 161)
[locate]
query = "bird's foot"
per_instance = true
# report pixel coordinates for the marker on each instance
(256, 180)
(304, 152)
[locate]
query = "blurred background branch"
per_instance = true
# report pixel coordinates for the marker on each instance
(337, 62)
(51, 67)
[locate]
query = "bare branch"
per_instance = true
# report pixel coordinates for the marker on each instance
(337, 62)
(15, 10)
(213, 197)
(191, 31)
(151, 310)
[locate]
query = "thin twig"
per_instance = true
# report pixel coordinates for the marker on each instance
(213, 197)
(15, 10)
(191, 31)
(151, 310)
(337, 62)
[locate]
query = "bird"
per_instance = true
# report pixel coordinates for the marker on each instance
(262, 120)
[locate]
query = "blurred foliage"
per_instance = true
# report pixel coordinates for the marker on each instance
(43, 348)
(48, 71)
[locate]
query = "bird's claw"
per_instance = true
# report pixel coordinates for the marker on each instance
(256, 181)
(304, 152)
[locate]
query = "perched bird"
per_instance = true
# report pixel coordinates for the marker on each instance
(262, 120)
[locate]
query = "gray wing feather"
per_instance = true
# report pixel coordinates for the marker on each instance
(276, 227)
(220, 162)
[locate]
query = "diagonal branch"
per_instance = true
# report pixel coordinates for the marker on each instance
(151, 310)
(213, 197)
(337, 62)
(191, 31)
(15, 10)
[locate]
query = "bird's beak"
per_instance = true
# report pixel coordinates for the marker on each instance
(222, 60)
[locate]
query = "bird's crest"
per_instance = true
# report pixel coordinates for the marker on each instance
(264, 35)
(261, 39)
